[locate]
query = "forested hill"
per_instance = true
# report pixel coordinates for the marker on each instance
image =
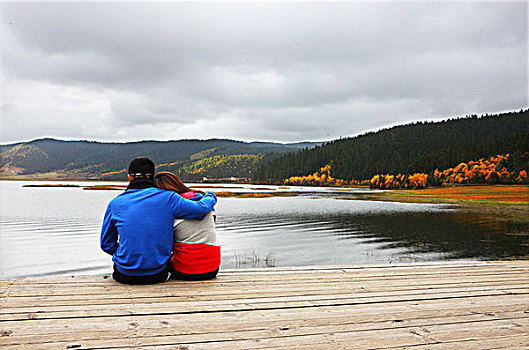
(85, 159)
(418, 147)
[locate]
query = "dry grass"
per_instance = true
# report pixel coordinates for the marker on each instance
(256, 195)
(226, 194)
(501, 201)
(515, 194)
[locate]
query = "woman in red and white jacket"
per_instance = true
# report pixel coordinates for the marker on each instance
(196, 253)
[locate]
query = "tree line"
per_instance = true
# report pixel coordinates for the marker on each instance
(501, 169)
(418, 147)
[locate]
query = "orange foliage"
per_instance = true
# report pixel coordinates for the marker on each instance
(482, 171)
(392, 182)
(322, 178)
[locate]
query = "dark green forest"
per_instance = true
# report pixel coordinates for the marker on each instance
(406, 149)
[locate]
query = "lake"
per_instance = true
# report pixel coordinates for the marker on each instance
(49, 231)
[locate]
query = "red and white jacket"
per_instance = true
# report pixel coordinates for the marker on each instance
(195, 249)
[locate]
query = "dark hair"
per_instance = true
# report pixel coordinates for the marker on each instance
(169, 181)
(141, 167)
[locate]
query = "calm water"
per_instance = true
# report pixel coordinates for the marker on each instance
(55, 231)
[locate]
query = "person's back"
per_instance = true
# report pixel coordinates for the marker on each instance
(196, 253)
(138, 228)
(146, 211)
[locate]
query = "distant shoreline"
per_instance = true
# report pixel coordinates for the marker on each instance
(504, 202)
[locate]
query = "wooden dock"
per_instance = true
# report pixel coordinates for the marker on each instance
(448, 305)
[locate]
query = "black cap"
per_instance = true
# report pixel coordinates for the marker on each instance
(141, 167)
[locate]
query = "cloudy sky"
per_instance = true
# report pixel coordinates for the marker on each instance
(269, 71)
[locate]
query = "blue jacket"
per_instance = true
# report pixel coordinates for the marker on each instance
(138, 227)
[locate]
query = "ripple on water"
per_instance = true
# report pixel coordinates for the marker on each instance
(55, 231)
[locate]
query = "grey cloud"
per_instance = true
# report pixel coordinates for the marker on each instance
(274, 71)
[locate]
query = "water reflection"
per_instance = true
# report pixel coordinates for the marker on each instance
(461, 235)
(326, 231)
(55, 231)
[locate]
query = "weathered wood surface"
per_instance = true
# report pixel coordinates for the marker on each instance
(447, 305)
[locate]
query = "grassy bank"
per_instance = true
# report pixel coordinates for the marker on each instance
(505, 202)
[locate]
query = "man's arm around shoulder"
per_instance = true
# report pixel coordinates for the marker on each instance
(188, 209)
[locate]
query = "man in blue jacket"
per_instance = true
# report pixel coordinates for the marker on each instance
(138, 226)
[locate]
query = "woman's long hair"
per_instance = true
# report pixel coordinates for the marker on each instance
(169, 181)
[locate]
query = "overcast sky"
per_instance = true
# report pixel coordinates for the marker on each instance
(265, 71)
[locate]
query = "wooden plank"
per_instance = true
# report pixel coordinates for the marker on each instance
(113, 287)
(510, 302)
(362, 336)
(4, 287)
(161, 326)
(311, 269)
(184, 286)
(392, 312)
(518, 341)
(248, 304)
(181, 288)
(383, 338)
(409, 305)
(273, 273)
(234, 293)
(398, 315)
(478, 305)
(328, 294)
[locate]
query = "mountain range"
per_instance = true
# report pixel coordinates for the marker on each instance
(57, 159)
(416, 147)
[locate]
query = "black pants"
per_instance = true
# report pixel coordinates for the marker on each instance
(149, 279)
(193, 277)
